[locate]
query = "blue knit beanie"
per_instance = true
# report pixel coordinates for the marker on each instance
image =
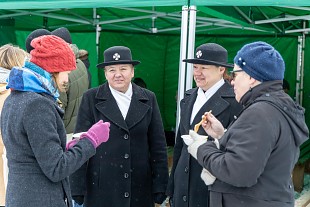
(261, 61)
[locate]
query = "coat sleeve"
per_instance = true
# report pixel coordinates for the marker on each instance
(42, 133)
(158, 150)
(250, 142)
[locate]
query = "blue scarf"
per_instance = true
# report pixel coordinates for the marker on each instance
(32, 78)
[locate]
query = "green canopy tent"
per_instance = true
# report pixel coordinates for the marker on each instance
(153, 30)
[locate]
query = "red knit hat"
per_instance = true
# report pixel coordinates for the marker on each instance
(52, 54)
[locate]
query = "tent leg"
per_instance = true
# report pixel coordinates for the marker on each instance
(191, 46)
(182, 65)
(98, 30)
(301, 91)
(187, 45)
(300, 69)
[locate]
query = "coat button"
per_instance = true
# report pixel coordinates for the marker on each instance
(184, 198)
(126, 156)
(290, 186)
(126, 175)
(126, 136)
(126, 194)
(186, 169)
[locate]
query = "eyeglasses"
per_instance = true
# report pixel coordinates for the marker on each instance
(233, 74)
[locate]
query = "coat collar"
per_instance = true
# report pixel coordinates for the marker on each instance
(216, 103)
(107, 105)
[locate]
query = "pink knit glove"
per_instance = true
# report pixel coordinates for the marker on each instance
(98, 133)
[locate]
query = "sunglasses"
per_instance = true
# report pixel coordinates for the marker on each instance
(233, 74)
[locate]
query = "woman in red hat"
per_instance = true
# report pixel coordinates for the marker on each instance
(33, 130)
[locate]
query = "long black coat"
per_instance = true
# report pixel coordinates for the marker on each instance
(132, 165)
(185, 185)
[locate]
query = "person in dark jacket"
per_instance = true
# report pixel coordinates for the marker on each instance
(186, 188)
(77, 85)
(33, 131)
(259, 150)
(133, 170)
(83, 56)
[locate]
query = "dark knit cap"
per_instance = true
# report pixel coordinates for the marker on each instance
(63, 33)
(261, 61)
(36, 33)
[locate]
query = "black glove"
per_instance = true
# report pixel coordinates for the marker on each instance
(159, 198)
(78, 199)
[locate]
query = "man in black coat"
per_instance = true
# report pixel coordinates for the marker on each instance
(185, 187)
(132, 169)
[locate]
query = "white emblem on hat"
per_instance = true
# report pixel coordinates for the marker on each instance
(198, 54)
(116, 56)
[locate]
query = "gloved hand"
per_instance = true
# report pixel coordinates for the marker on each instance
(71, 143)
(159, 198)
(78, 199)
(207, 177)
(198, 141)
(98, 133)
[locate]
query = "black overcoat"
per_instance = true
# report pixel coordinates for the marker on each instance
(185, 185)
(132, 165)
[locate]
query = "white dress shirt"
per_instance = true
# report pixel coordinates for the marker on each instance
(203, 97)
(122, 99)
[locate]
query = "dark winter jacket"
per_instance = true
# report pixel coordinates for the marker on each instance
(258, 152)
(185, 185)
(35, 139)
(71, 99)
(132, 165)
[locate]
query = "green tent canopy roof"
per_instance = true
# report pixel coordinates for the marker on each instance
(47, 4)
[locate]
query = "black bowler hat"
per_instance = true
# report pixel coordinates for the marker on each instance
(117, 55)
(210, 54)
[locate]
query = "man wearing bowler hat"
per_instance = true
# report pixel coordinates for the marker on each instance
(187, 185)
(131, 170)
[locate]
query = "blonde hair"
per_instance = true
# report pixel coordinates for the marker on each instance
(11, 56)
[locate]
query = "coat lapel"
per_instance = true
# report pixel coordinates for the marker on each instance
(108, 107)
(137, 109)
(216, 103)
(187, 106)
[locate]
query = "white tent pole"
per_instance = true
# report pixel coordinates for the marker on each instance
(98, 30)
(302, 65)
(299, 57)
(191, 46)
(182, 65)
